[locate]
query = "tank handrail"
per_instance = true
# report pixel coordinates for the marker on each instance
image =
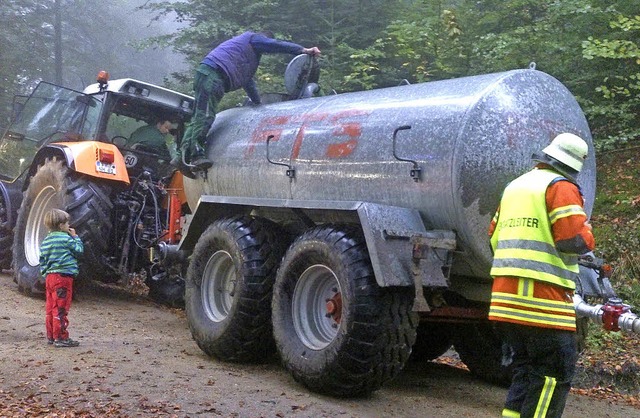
(291, 172)
(416, 170)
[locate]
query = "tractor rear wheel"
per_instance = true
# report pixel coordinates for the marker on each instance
(89, 206)
(6, 234)
(337, 331)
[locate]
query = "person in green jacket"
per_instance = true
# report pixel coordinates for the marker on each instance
(153, 137)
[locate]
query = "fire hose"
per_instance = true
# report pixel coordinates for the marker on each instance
(613, 315)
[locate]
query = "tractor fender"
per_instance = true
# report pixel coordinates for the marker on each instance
(93, 158)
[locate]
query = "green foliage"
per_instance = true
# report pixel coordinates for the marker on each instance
(95, 36)
(616, 219)
(589, 45)
(599, 338)
(625, 279)
(424, 43)
(620, 89)
(19, 27)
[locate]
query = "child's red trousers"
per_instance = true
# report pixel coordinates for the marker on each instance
(59, 288)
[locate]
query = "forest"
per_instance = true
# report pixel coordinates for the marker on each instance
(589, 45)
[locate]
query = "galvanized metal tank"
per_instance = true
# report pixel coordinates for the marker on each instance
(470, 137)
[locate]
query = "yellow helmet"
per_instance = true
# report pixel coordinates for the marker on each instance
(569, 149)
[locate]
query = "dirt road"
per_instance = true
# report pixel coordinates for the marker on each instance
(138, 359)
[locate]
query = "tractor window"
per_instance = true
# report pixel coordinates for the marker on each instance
(52, 109)
(51, 113)
(90, 127)
(128, 114)
(121, 125)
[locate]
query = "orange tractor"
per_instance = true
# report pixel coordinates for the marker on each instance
(73, 150)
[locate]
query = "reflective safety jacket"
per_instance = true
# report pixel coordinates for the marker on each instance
(533, 280)
(522, 242)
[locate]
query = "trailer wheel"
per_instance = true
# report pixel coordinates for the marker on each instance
(89, 206)
(169, 291)
(228, 289)
(483, 351)
(6, 235)
(432, 341)
(336, 330)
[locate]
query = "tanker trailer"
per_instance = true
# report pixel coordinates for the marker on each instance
(331, 227)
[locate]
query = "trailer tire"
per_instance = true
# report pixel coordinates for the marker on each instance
(432, 341)
(338, 332)
(169, 292)
(483, 351)
(239, 255)
(89, 207)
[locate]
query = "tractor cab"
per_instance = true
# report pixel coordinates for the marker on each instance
(107, 112)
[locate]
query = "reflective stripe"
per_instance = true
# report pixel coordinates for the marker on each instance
(518, 267)
(538, 256)
(545, 397)
(508, 413)
(532, 318)
(570, 260)
(564, 211)
(527, 302)
(523, 286)
(523, 308)
(526, 244)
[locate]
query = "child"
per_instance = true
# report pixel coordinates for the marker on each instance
(59, 265)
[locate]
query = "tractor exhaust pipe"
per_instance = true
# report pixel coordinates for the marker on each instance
(613, 315)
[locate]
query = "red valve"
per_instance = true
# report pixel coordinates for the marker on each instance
(611, 312)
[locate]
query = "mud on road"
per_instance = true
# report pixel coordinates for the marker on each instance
(137, 358)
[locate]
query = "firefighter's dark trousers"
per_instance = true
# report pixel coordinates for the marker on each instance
(544, 364)
(59, 290)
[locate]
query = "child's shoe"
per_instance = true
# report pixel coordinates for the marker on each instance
(50, 341)
(66, 343)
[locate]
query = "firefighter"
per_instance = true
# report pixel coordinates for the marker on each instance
(228, 67)
(537, 233)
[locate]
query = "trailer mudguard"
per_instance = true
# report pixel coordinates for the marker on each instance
(396, 237)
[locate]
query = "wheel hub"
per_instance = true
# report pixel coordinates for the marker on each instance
(317, 307)
(218, 286)
(334, 307)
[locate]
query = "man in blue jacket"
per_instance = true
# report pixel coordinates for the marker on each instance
(228, 67)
